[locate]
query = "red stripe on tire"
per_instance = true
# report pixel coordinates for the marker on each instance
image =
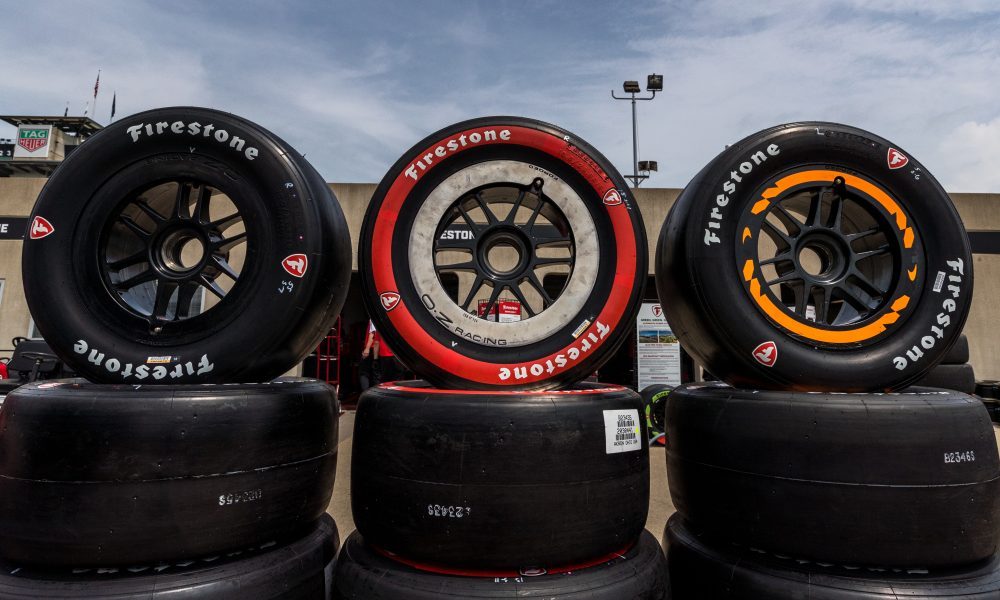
(486, 372)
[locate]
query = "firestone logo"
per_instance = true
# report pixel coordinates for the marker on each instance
(453, 145)
(896, 159)
(766, 354)
(40, 228)
(390, 300)
(296, 264)
(612, 197)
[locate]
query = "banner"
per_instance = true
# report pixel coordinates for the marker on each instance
(13, 228)
(658, 353)
(33, 141)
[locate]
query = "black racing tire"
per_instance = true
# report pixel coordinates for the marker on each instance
(992, 406)
(636, 573)
(135, 227)
(959, 378)
(654, 402)
(159, 473)
(298, 570)
(988, 388)
(484, 185)
(906, 480)
(9, 385)
(702, 567)
(958, 354)
(763, 263)
(499, 479)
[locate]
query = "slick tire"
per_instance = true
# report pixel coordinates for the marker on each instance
(815, 256)
(958, 354)
(988, 388)
(491, 480)
(960, 378)
(637, 573)
(160, 473)
(654, 401)
(149, 218)
(909, 480)
(704, 568)
(498, 218)
(299, 570)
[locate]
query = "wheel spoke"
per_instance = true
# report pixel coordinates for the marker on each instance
(815, 208)
(535, 283)
(822, 302)
(494, 296)
(144, 206)
(468, 245)
(857, 236)
(225, 222)
(866, 285)
(128, 261)
(490, 217)
(468, 265)
(883, 249)
(222, 265)
(468, 219)
(785, 256)
(184, 297)
(201, 204)
(558, 260)
(227, 244)
(524, 301)
(164, 290)
(836, 212)
(135, 227)
(778, 236)
(860, 305)
(138, 279)
(787, 219)
(182, 201)
(476, 285)
(801, 297)
(786, 278)
(534, 215)
(210, 284)
(517, 205)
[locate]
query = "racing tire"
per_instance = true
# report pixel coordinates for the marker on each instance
(299, 570)
(148, 219)
(815, 257)
(499, 479)
(701, 567)
(988, 388)
(654, 401)
(159, 473)
(522, 216)
(636, 573)
(908, 480)
(958, 354)
(959, 378)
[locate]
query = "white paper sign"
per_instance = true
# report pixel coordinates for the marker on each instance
(658, 353)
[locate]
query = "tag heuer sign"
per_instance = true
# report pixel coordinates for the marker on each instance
(33, 141)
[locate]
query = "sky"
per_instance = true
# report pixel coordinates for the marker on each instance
(353, 85)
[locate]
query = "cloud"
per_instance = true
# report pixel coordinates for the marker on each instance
(354, 86)
(970, 155)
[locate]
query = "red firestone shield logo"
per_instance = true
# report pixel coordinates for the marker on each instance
(896, 159)
(766, 354)
(390, 300)
(40, 228)
(296, 264)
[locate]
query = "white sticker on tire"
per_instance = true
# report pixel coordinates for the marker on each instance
(621, 431)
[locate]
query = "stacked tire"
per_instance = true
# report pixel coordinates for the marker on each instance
(816, 269)
(180, 261)
(500, 475)
(989, 392)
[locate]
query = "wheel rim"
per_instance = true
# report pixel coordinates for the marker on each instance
(829, 257)
(495, 231)
(169, 244)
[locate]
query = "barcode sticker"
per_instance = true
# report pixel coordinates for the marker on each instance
(939, 281)
(621, 431)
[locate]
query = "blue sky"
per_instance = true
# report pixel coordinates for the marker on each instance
(354, 84)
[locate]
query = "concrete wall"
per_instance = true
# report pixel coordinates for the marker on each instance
(978, 211)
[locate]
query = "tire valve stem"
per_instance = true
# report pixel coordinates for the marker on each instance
(839, 186)
(157, 329)
(536, 186)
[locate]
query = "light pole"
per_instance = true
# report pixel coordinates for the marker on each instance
(654, 83)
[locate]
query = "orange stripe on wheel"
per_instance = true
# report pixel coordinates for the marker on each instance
(849, 336)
